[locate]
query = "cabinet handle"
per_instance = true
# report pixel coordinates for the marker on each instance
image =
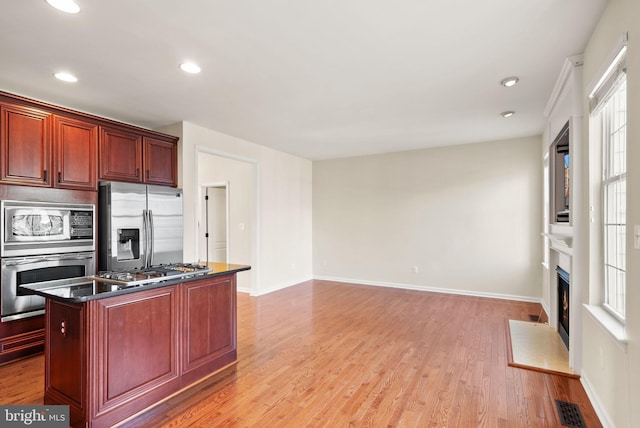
(147, 173)
(59, 177)
(63, 328)
(46, 175)
(137, 172)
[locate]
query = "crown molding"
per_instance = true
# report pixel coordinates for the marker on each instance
(569, 65)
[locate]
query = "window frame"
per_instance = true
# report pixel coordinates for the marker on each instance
(604, 100)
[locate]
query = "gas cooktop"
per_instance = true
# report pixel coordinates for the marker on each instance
(152, 274)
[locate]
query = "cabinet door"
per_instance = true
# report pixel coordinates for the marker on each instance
(160, 162)
(120, 155)
(136, 349)
(75, 154)
(209, 322)
(65, 367)
(25, 140)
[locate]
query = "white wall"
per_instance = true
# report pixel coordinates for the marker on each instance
(611, 371)
(468, 217)
(282, 224)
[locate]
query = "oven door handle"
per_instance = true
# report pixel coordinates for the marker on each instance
(84, 256)
(23, 261)
(47, 258)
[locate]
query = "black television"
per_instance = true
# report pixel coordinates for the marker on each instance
(561, 176)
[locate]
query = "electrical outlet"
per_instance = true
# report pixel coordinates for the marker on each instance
(414, 269)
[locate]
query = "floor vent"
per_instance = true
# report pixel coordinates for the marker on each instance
(570, 415)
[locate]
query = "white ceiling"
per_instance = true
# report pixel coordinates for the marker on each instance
(318, 79)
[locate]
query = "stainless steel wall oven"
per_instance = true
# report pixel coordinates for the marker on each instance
(42, 242)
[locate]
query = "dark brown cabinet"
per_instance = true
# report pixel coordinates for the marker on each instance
(160, 162)
(65, 367)
(211, 343)
(136, 352)
(21, 338)
(75, 155)
(129, 156)
(46, 150)
(120, 155)
(25, 145)
(43, 145)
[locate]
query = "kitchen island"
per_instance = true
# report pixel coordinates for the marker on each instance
(112, 351)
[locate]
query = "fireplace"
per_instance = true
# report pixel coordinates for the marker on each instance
(563, 305)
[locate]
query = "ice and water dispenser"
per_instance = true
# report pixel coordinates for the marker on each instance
(128, 244)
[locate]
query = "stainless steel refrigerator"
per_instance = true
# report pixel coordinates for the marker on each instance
(138, 226)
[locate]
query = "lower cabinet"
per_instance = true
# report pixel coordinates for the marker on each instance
(65, 370)
(135, 353)
(21, 338)
(110, 358)
(211, 344)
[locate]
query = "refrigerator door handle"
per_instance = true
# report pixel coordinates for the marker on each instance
(145, 232)
(151, 237)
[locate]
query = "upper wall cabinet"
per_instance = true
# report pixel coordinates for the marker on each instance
(48, 146)
(25, 140)
(46, 150)
(75, 154)
(128, 156)
(160, 161)
(120, 155)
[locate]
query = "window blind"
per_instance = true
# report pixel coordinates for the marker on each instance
(608, 83)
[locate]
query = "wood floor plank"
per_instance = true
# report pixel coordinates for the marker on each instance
(328, 354)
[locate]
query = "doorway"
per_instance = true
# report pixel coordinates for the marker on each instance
(240, 177)
(214, 227)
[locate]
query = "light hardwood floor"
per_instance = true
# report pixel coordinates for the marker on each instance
(327, 354)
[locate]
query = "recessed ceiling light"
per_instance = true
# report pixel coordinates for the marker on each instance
(509, 81)
(68, 6)
(66, 77)
(507, 113)
(190, 67)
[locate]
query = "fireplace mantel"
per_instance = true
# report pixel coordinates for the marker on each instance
(561, 243)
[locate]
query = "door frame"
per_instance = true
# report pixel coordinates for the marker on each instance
(217, 184)
(255, 220)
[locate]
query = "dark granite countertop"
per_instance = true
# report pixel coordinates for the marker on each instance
(84, 289)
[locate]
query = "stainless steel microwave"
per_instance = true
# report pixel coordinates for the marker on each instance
(36, 228)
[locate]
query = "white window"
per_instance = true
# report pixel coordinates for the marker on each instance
(609, 107)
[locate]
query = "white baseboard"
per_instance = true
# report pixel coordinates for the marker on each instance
(545, 307)
(435, 289)
(605, 419)
(399, 285)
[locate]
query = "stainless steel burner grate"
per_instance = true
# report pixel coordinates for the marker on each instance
(152, 274)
